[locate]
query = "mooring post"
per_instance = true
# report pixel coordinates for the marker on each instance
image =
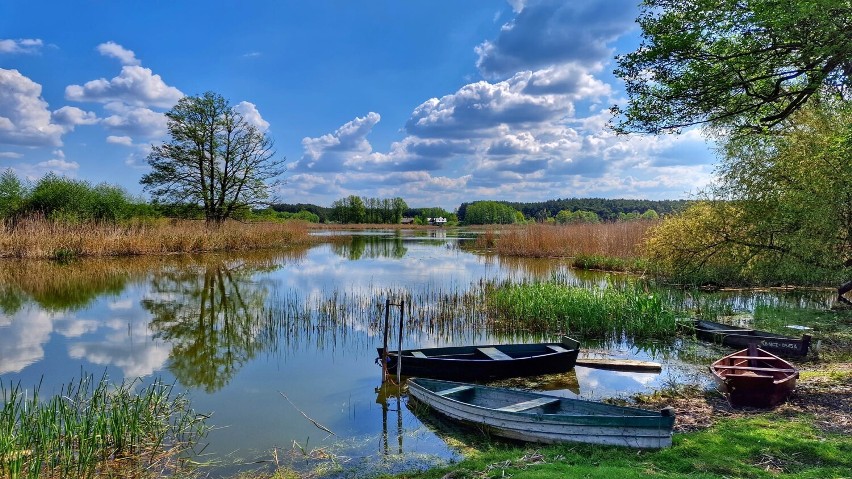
(385, 348)
(399, 346)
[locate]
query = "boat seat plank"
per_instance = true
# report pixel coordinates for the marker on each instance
(558, 349)
(495, 354)
(418, 354)
(749, 368)
(457, 389)
(751, 357)
(532, 403)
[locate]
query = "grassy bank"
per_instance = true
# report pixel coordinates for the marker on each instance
(767, 446)
(96, 429)
(61, 240)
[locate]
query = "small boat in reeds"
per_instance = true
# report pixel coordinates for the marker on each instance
(754, 377)
(534, 417)
(492, 361)
(737, 337)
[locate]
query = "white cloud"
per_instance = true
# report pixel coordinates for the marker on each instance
(22, 45)
(71, 116)
(114, 50)
(135, 85)
(333, 151)
(120, 140)
(58, 164)
(24, 117)
(552, 32)
(10, 154)
(135, 120)
(251, 115)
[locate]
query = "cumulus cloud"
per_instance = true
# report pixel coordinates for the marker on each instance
(114, 50)
(551, 32)
(70, 116)
(347, 145)
(120, 140)
(252, 116)
(24, 117)
(21, 45)
(135, 85)
(135, 121)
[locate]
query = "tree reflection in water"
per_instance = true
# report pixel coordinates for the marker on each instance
(213, 318)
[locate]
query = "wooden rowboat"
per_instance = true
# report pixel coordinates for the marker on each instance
(492, 361)
(754, 377)
(534, 417)
(737, 337)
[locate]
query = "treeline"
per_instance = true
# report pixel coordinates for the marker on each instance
(605, 209)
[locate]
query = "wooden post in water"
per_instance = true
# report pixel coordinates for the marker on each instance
(399, 346)
(384, 357)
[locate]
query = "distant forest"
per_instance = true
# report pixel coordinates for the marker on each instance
(606, 209)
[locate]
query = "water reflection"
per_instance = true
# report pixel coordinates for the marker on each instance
(238, 329)
(209, 314)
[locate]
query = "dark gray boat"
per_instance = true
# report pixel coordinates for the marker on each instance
(488, 361)
(534, 417)
(737, 337)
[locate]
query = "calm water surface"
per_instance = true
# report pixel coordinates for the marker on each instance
(240, 333)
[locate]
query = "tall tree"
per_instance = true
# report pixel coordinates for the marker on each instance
(741, 63)
(216, 159)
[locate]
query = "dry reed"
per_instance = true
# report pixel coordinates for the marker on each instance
(42, 238)
(613, 240)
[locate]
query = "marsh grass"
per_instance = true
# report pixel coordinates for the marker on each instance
(96, 429)
(38, 237)
(611, 240)
(631, 311)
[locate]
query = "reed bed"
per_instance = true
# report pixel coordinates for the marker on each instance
(611, 240)
(606, 313)
(43, 238)
(96, 429)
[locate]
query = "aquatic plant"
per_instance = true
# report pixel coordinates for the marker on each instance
(597, 312)
(95, 428)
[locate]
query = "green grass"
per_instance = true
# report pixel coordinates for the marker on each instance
(767, 446)
(96, 429)
(591, 312)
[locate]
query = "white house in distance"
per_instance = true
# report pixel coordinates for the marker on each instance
(439, 221)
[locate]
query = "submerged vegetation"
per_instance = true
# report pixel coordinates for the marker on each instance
(97, 429)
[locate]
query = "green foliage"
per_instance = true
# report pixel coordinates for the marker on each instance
(13, 193)
(741, 63)
(784, 213)
(215, 159)
(64, 199)
(354, 209)
(606, 209)
(566, 217)
(490, 212)
(603, 313)
(87, 426)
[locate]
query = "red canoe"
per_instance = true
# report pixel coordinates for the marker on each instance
(754, 377)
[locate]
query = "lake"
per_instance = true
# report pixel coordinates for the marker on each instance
(270, 342)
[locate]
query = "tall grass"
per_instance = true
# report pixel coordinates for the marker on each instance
(96, 429)
(38, 237)
(612, 240)
(607, 313)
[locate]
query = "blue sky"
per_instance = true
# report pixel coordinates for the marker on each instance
(436, 101)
